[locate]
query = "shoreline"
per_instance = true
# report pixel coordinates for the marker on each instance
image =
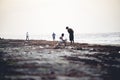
(101, 44)
(50, 44)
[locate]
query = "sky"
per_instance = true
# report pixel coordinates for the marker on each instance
(47, 16)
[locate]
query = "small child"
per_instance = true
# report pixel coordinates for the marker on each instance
(27, 36)
(62, 41)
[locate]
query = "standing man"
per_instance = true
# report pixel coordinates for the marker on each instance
(71, 34)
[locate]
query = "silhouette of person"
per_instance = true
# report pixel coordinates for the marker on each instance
(53, 36)
(62, 42)
(71, 34)
(27, 36)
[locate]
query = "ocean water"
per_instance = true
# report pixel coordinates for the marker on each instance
(99, 38)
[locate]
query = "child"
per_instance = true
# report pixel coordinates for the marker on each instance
(61, 42)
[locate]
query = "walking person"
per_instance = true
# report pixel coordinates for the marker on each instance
(53, 36)
(71, 34)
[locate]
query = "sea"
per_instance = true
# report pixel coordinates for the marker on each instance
(90, 38)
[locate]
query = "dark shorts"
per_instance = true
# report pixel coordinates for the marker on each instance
(71, 36)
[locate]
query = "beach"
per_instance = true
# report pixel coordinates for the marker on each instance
(40, 60)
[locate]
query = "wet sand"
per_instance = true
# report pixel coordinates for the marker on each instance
(39, 60)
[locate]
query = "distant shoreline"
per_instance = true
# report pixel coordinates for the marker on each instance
(50, 44)
(47, 41)
(100, 38)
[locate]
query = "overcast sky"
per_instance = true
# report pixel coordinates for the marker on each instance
(47, 16)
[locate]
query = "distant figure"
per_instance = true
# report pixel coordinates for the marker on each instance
(71, 34)
(53, 36)
(27, 36)
(62, 41)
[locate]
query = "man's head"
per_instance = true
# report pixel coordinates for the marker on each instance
(67, 27)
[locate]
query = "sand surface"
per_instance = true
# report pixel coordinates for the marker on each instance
(39, 60)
